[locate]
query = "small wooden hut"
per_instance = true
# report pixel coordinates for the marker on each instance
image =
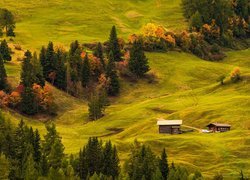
(218, 127)
(169, 126)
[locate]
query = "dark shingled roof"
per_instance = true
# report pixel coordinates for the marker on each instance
(219, 125)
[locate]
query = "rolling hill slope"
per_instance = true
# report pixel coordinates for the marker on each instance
(186, 86)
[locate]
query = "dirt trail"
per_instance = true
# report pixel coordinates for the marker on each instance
(191, 127)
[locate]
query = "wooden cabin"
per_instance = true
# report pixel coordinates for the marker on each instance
(169, 126)
(218, 127)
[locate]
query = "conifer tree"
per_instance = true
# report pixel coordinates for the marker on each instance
(114, 45)
(56, 154)
(99, 53)
(115, 168)
(38, 71)
(44, 166)
(3, 75)
(60, 80)
(85, 71)
(31, 173)
(96, 107)
(111, 74)
(42, 58)
(138, 63)
(49, 139)
(7, 19)
(28, 103)
(163, 165)
(37, 147)
(73, 47)
(107, 159)
(50, 61)
(5, 51)
(11, 32)
(83, 166)
(20, 146)
(94, 156)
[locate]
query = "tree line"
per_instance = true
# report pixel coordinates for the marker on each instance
(31, 157)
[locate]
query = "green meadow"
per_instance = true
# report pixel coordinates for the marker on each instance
(185, 87)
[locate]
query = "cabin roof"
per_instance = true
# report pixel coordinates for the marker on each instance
(219, 125)
(162, 122)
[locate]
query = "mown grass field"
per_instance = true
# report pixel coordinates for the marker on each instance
(186, 86)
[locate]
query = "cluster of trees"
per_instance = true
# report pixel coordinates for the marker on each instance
(93, 75)
(158, 38)
(97, 159)
(77, 70)
(28, 156)
(219, 21)
(7, 22)
(32, 95)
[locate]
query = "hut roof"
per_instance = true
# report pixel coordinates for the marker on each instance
(162, 122)
(219, 125)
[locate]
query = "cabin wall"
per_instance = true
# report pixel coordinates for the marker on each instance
(165, 129)
(169, 129)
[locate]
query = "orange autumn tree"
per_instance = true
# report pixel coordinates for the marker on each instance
(235, 75)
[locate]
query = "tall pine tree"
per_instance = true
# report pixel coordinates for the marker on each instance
(38, 71)
(163, 164)
(50, 61)
(111, 74)
(28, 103)
(3, 75)
(114, 45)
(5, 51)
(85, 71)
(60, 80)
(138, 63)
(42, 59)
(99, 53)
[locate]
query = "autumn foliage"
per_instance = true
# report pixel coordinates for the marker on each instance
(43, 96)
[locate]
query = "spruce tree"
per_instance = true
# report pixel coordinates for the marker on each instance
(42, 59)
(115, 168)
(49, 139)
(85, 71)
(138, 63)
(38, 71)
(37, 147)
(3, 75)
(94, 156)
(111, 74)
(83, 166)
(31, 173)
(60, 81)
(99, 53)
(107, 159)
(20, 146)
(7, 19)
(96, 108)
(163, 165)
(28, 103)
(114, 45)
(56, 155)
(5, 51)
(11, 32)
(50, 61)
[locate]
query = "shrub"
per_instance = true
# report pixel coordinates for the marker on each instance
(235, 75)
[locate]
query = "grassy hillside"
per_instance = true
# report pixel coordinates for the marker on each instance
(186, 89)
(186, 86)
(66, 20)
